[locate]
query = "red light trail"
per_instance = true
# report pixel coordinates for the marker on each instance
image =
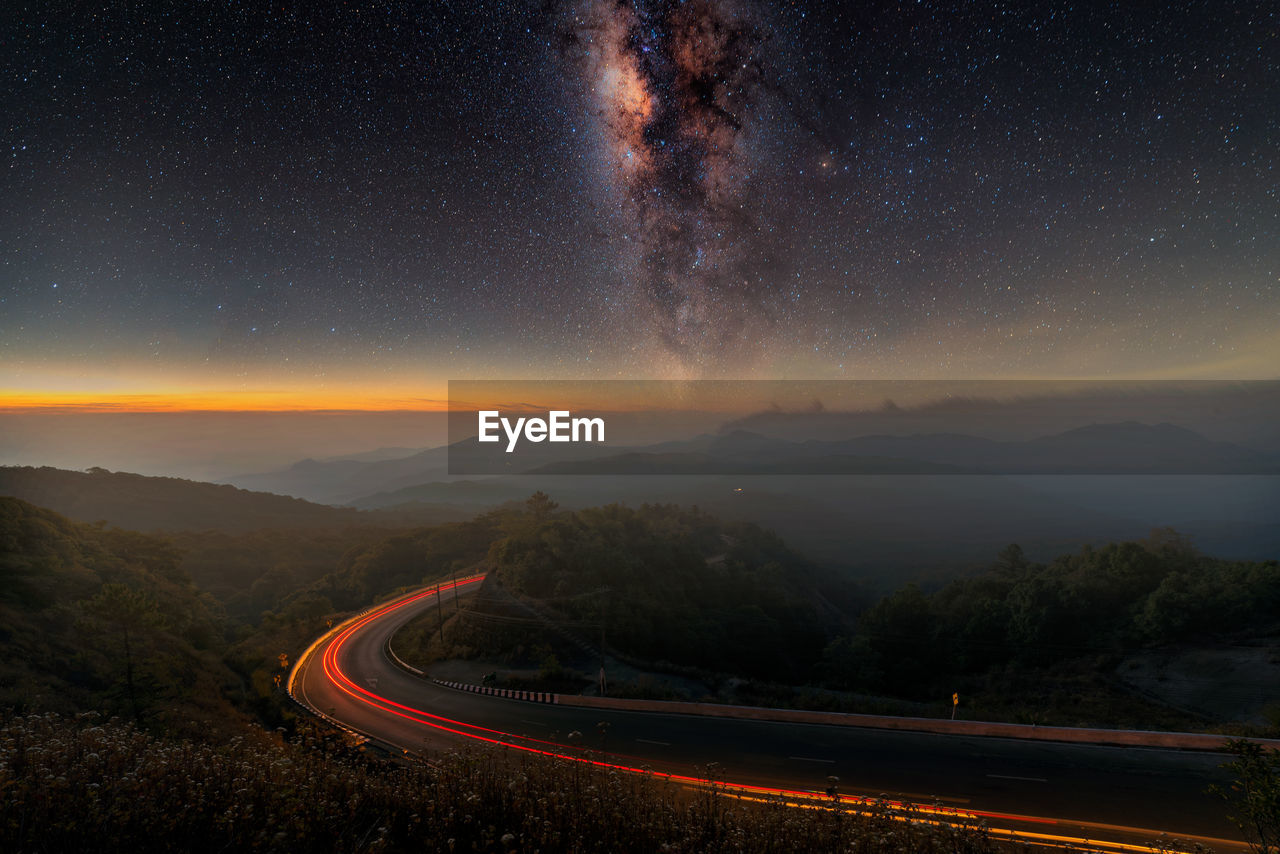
(334, 640)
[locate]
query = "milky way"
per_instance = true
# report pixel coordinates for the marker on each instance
(334, 197)
(678, 90)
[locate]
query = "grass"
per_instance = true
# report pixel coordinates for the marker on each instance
(70, 784)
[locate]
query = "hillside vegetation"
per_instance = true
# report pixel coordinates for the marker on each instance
(676, 591)
(1024, 636)
(95, 618)
(675, 585)
(249, 550)
(664, 585)
(251, 574)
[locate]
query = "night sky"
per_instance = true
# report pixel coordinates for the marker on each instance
(373, 198)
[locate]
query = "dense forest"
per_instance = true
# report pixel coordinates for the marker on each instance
(1020, 617)
(674, 590)
(189, 630)
(104, 619)
(251, 574)
(212, 614)
(674, 585)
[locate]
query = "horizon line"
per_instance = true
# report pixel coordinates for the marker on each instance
(211, 402)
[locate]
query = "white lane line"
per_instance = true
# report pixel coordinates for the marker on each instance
(1024, 779)
(659, 743)
(811, 759)
(534, 723)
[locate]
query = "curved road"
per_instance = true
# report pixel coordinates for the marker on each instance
(1118, 798)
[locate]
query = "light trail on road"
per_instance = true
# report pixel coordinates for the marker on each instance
(1032, 829)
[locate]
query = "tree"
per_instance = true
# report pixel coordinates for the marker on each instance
(1011, 561)
(1254, 794)
(540, 505)
(901, 631)
(125, 618)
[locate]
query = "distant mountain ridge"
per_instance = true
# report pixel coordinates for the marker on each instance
(1127, 447)
(146, 503)
(1123, 448)
(339, 480)
(143, 503)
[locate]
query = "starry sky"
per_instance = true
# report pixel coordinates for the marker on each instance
(358, 201)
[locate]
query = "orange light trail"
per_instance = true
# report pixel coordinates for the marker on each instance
(906, 811)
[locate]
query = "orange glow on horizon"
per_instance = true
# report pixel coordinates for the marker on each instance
(218, 401)
(726, 396)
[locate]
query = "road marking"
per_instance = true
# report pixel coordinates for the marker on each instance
(810, 759)
(1024, 779)
(659, 743)
(533, 723)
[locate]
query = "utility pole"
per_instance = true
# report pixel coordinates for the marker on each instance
(440, 614)
(604, 609)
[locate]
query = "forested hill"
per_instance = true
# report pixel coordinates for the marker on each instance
(1023, 622)
(171, 504)
(191, 631)
(678, 585)
(95, 618)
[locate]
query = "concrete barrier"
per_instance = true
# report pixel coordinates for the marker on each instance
(1121, 737)
(509, 693)
(400, 661)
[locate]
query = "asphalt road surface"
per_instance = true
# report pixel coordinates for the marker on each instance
(1115, 797)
